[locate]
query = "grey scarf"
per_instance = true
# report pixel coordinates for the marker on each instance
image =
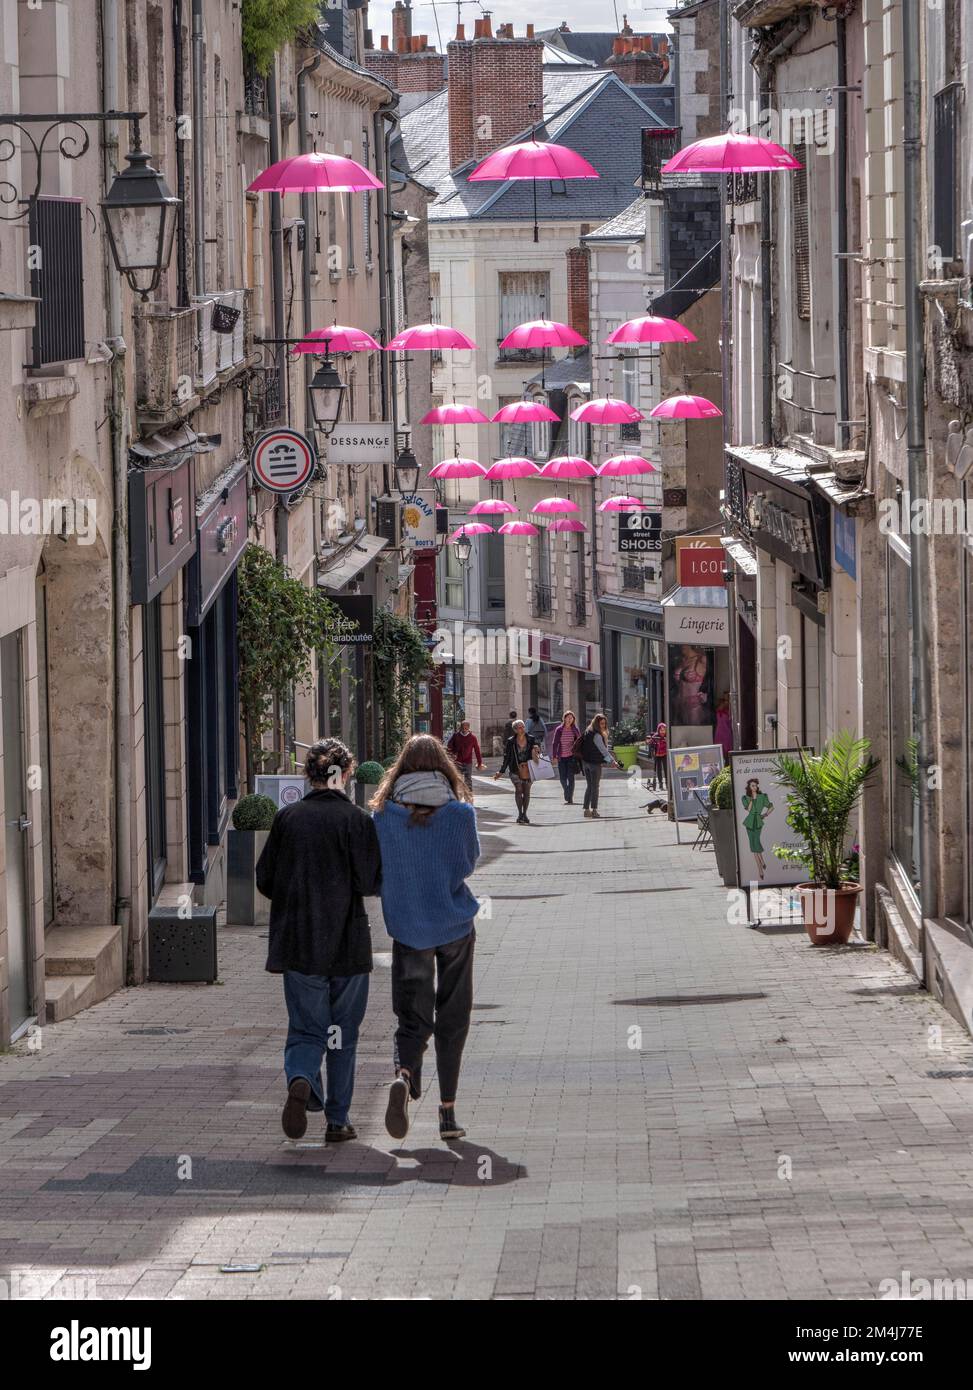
(422, 789)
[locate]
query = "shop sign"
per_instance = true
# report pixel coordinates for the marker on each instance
(419, 520)
(639, 533)
(699, 561)
(844, 543)
(284, 791)
(784, 524)
(222, 537)
(690, 771)
(362, 441)
(694, 624)
(162, 510)
(355, 621)
(564, 651)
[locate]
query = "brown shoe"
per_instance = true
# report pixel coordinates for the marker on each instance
(294, 1117)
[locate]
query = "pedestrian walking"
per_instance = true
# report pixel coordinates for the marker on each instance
(320, 860)
(596, 756)
(465, 751)
(427, 832)
(565, 747)
(519, 750)
(536, 727)
(659, 743)
(508, 728)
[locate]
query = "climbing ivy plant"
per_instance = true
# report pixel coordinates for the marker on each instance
(269, 24)
(399, 662)
(281, 626)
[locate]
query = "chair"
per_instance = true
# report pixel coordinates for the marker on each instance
(703, 834)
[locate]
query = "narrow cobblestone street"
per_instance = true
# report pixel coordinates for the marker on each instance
(787, 1126)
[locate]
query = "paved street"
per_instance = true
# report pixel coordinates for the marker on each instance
(781, 1126)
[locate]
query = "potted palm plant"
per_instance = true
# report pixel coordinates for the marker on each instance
(823, 791)
(722, 826)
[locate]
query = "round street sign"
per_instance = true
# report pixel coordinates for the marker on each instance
(281, 460)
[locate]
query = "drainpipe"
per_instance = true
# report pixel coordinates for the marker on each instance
(121, 611)
(726, 315)
(303, 134)
(918, 464)
(277, 286)
(385, 122)
(179, 97)
(199, 191)
(842, 434)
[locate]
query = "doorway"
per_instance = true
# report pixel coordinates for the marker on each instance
(20, 993)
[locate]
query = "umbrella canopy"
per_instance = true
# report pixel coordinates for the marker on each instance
(622, 504)
(518, 528)
(569, 466)
(472, 528)
(453, 414)
(686, 408)
(730, 154)
(314, 173)
(548, 505)
(651, 329)
(533, 159)
(626, 466)
(428, 337)
(337, 338)
(540, 333)
(607, 411)
(568, 523)
(512, 468)
(457, 468)
(524, 413)
(492, 506)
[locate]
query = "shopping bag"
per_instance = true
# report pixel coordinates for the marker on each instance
(541, 769)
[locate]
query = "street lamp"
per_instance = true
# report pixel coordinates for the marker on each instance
(406, 472)
(140, 218)
(327, 393)
(464, 549)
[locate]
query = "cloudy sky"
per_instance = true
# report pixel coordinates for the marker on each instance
(643, 15)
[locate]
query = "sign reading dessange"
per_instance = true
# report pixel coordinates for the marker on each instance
(362, 441)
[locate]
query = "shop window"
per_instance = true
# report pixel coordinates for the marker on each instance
(453, 579)
(155, 766)
(211, 728)
(524, 295)
(902, 705)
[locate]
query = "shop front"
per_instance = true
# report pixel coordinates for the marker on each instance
(633, 661)
(696, 627)
(567, 679)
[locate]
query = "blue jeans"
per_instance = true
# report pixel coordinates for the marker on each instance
(566, 770)
(325, 1014)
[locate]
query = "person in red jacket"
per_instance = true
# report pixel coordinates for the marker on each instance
(465, 751)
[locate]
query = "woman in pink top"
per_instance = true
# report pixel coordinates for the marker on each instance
(565, 747)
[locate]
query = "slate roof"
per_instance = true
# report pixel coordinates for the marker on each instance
(660, 98)
(591, 111)
(629, 223)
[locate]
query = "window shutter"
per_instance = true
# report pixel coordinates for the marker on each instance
(57, 280)
(802, 253)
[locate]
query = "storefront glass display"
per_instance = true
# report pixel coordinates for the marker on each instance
(902, 705)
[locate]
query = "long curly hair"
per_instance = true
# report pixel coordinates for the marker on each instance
(421, 753)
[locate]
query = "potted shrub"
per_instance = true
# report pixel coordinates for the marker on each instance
(252, 818)
(722, 825)
(625, 739)
(822, 793)
(367, 775)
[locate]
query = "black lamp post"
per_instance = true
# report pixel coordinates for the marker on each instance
(140, 218)
(406, 472)
(327, 393)
(464, 549)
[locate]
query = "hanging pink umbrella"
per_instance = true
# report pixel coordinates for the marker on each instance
(518, 528)
(622, 503)
(457, 468)
(533, 159)
(314, 173)
(542, 333)
(626, 466)
(607, 411)
(453, 414)
(568, 466)
(428, 337)
(492, 506)
(568, 523)
(685, 408)
(337, 338)
(549, 505)
(472, 528)
(651, 329)
(524, 413)
(730, 154)
(512, 468)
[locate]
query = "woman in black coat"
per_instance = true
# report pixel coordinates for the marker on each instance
(520, 750)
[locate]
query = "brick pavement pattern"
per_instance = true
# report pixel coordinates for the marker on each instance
(661, 1103)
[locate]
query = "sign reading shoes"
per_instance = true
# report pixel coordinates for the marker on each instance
(362, 441)
(281, 460)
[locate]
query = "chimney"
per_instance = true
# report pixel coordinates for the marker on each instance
(401, 26)
(530, 31)
(579, 298)
(460, 33)
(385, 43)
(635, 62)
(495, 91)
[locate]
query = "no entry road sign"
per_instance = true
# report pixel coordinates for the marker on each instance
(281, 460)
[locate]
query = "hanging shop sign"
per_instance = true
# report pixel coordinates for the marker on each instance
(362, 441)
(354, 624)
(639, 533)
(700, 561)
(282, 460)
(162, 526)
(419, 520)
(844, 543)
(693, 623)
(222, 525)
(565, 651)
(786, 523)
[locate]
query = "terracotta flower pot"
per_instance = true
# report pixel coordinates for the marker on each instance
(829, 913)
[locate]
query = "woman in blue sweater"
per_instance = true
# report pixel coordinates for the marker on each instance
(427, 834)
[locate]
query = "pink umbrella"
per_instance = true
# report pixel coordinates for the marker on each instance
(337, 338)
(568, 523)
(518, 528)
(607, 411)
(626, 466)
(457, 468)
(492, 506)
(730, 154)
(548, 505)
(472, 528)
(651, 329)
(533, 159)
(428, 337)
(685, 408)
(541, 333)
(524, 413)
(569, 466)
(314, 173)
(621, 504)
(454, 414)
(512, 468)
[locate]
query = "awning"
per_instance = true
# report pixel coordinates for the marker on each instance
(698, 616)
(181, 439)
(351, 563)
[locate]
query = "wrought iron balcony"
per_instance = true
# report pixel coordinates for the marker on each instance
(579, 609)
(543, 605)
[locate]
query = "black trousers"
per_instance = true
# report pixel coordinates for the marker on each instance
(592, 772)
(660, 771)
(432, 996)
